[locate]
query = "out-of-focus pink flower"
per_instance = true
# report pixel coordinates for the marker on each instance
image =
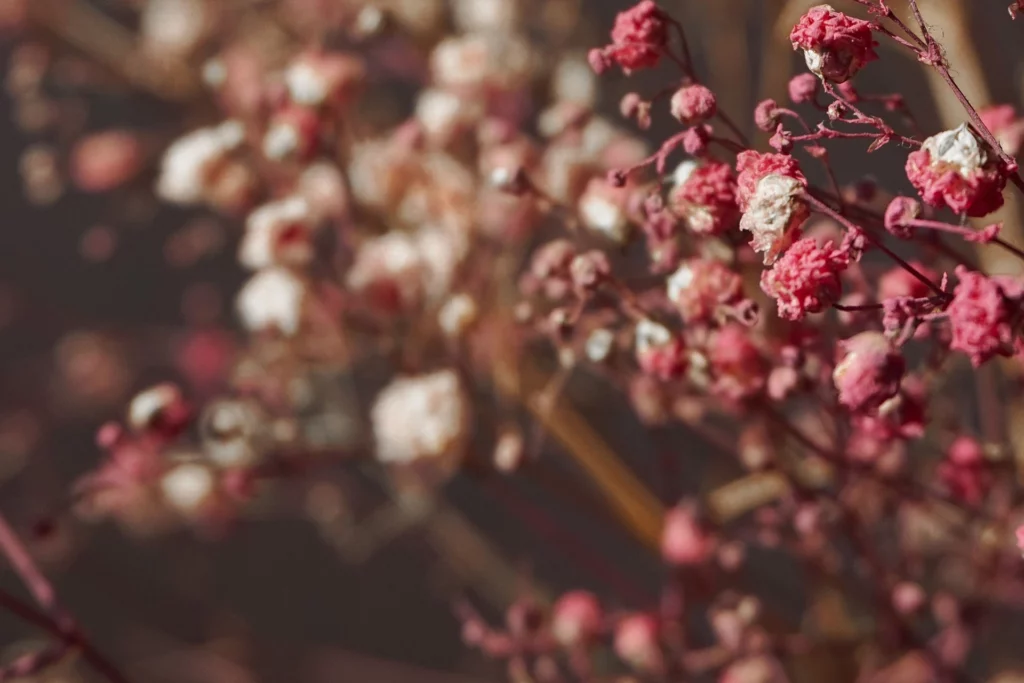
(869, 372)
(659, 352)
(982, 315)
(576, 618)
(637, 642)
(683, 541)
(705, 197)
(1006, 125)
(704, 289)
(104, 161)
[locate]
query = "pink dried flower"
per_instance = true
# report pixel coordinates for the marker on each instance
(768, 193)
(702, 289)
(683, 540)
(576, 618)
(104, 161)
(638, 37)
(956, 169)
(835, 45)
(1019, 533)
(805, 279)
(803, 88)
(659, 352)
(982, 315)
(899, 282)
(693, 104)
(766, 115)
(898, 213)
(705, 197)
(636, 642)
(1006, 125)
(737, 366)
(869, 373)
(965, 471)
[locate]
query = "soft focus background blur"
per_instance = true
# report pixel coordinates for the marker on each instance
(101, 295)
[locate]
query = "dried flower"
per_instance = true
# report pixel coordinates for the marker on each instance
(869, 372)
(835, 45)
(805, 279)
(955, 169)
(421, 417)
(768, 192)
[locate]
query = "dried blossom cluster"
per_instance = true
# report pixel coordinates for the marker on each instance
(812, 335)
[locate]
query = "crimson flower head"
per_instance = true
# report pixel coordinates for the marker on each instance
(835, 45)
(982, 315)
(805, 279)
(638, 37)
(956, 169)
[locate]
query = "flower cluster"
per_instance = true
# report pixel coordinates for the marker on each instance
(835, 45)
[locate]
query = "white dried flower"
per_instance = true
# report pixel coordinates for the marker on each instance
(172, 28)
(231, 429)
(574, 81)
(425, 416)
(959, 148)
(281, 140)
(188, 488)
(773, 213)
(601, 212)
(457, 315)
(599, 345)
(187, 163)
(679, 281)
(277, 233)
(148, 405)
(650, 335)
(306, 84)
(485, 15)
(272, 299)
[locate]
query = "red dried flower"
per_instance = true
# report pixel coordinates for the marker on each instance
(835, 45)
(805, 279)
(956, 169)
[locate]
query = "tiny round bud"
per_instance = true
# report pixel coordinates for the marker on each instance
(693, 104)
(803, 88)
(766, 115)
(900, 211)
